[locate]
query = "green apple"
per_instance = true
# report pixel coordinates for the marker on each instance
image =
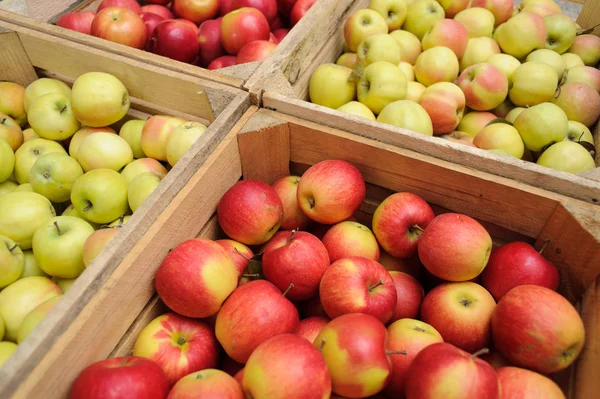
(143, 165)
(11, 101)
(363, 23)
(24, 187)
(96, 243)
(64, 283)
(407, 115)
(103, 150)
(131, 131)
(379, 47)
(506, 63)
(584, 74)
(542, 125)
(21, 214)
(80, 135)
(7, 160)
(6, 351)
(140, 188)
(12, 261)
(10, 131)
(349, 60)
(567, 156)
(100, 195)
(579, 132)
(28, 154)
(330, 85)
(1, 334)
(409, 71)
(356, 108)
(53, 175)
(33, 318)
(549, 57)
(99, 99)
(521, 34)
(512, 115)
(410, 45)
(414, 91)
(71, 211)
(533, 83)
(572, 60)
(29, 134)
(31, 267)
(121, 221)
(51, 116)
(479, 49)
(478, 21)
(438, 64)
(421, 16)
(393, 11)
(7, 187)
(381, 84)
(560, 32)
(500, 136)
(58, 246)
(41, 87)
(181, 139)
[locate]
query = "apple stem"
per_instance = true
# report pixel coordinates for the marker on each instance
(13, 247)
(3, 120)
(544, 246)
(579, 139)
(480, 352)
(380, 282)
(396, 352)
(323, 342)
(292, 235)
(87, 207)
(251, 275)
(63, 108)
(418, 228)
(288, 289)
(57, 228)
(311, 202)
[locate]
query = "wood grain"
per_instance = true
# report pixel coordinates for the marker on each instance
(14, 62)
(586, 382)
(590, 15)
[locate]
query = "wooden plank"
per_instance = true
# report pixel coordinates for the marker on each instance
(586, 378)
(590, 15)
(15, 65)
(43, 10)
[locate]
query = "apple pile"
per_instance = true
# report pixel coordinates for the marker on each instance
(209, 33)
(521, 82)
(70, 162)
(303, 301)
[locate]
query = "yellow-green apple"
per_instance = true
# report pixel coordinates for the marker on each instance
(358, 285)
(363, 23)
(503, 109)
(20, 298)
(53, 175)
(120, 25)
(521, 34)
(12, 261)
(81, 134)
(560, 32)
(479, 49)
(250, 212)
(287, 189)
(501, 9)
(485, 86)
(1, 332)
(24, 187)
(330, 86)
(579, 132)
(500, 136)
(120, 221)
(378, 47)
(459, 137)
(349, 60)
(447, 33)
(537, 328)
(257, 306)
(11, 101)
(71, 211)
(473, 122)
(409, 71)
(506, 63)
(549, 57)
(533, 83)
(478, 21)
(331, 191)
(10, 131)
(207, 383)
(6, 351)
(408, 115)
(64, 283)
(398, 223)
(584, 74)
(99, 99)
(240, 254)
(143, 165)
(139, 377)
(539, 7)
(572, 60)
(414, 91)
(43, 86)
(410, 336)
(542, 125)
(518, 382)
(29, 134)
(381, 83)
(421, 16)
(140, 188)
(453, 7)
(445, 104)
(359, 109)
(155, 135)
(181, 139)
(454, 247)
(567, 156)
(295, 259)
(409, 293)
(30, 266)
(393, 11)
(7, 187)
(587, 47)
(196, 277)
(438, 64)
(310, 327)
(178, 344)
(286, 367)
(131, 131)
(52, 117)
(514, 113)
(7, 160)
(347, 239)
(21, 214)
(96, 242)
(436, 368)
(33, 318)
(580, 102)
(410, 45)
(100, 195)
(198, 11)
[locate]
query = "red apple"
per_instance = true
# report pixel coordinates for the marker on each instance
(438, 367)
(293, 217)
(257, 50)
(280, 34)
(410, 295)
(175, 39)
(267, 7)
(160, 2)
(239, 253)
(179, 345)
(300, 8)
(285, 6)
(516, 382)
(253, 313)
(196, 277)
(495, 359)
(188, 23)
(209, 37)
(298, 259)
(120, 25)
(243, 26)
(250, 212)
(273, 39)
(150, 20)
(410, 266)
(277, 23)
(536, 328)
(225, 7)
(196, 11)
(208, 383)
(358, 285)
(77, 21)
(133, 5)
(223, 62)
(347, 239)
(310, 327)
(158, 10)
(138, 377)
(286, 367)
(399, 221)
(514, 264)
(331, 191)
(312, 308)
(239, 376)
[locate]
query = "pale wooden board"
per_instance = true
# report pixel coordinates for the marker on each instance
(590, 15)
(14, 62)
(586, 382)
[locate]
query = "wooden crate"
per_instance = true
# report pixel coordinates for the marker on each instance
(123, 303)
(284, 87)
(26, 55)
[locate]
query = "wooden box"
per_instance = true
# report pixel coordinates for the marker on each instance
(119, 305)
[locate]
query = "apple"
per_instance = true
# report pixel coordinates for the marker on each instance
(539, 7)
(361, 24)
(120, 221)
(53, 175)
(330, 86)
(140, 188)
(211, 383)
(502, 9)
(29, 134)
(29, 152)
(300, 9)
(473, 122)
(445, 104)
(447, 33)
(421, 16)
(381, 83)
(280, 34)
(531, 319)
(7, 161)
(30, 266)
(451, 7)
(567, 156)
(150, 21)
(542, 125)
(506, 63)
(410, 295)
(408, 70)
(43, 86)
(347, 239)
(580, 74)
(586, 47)
(560, 32)
(500, 136)
(155, 135)
(80, 21)
(358, 285)
(33, 318)
(521, 34)
(52, 117)
(81, 134)
(24, 187)
(89, 195)
(12, 262)
(393, 11)
(437, 64)
(414, 91)
(257, 306)
(7, 187)
(242, 26)
(209, 37)
(239, 253)
(223, 62)
(99, 99)
(143, 165)
(96, 242)
(286, 367)
(104, 151)
(331, 191)
(459, 137)
(407, 115)
(267, 7)
(257, 50)
(572, 60)
(133, 5)
(293, 217)
(12, 101)
(378, 47)
(196, 11)
(21, 214)
(578, 132)
(357, 108)
(11, 132)
(410, 45)
(465, 250)
(436, 368)
(515, 381)
(478, 21)
(181, 139)
(533, 83)
(131, 132)
(20, 298)
(6, 351)
(157, 8)
(549, 57)
(580, 102)
(120, 25)
(479, 49)
(176, 39)
(310, 327)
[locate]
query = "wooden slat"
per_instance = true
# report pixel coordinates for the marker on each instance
(590, 15)
(43, 10)
(15, 65)
(586, 383)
